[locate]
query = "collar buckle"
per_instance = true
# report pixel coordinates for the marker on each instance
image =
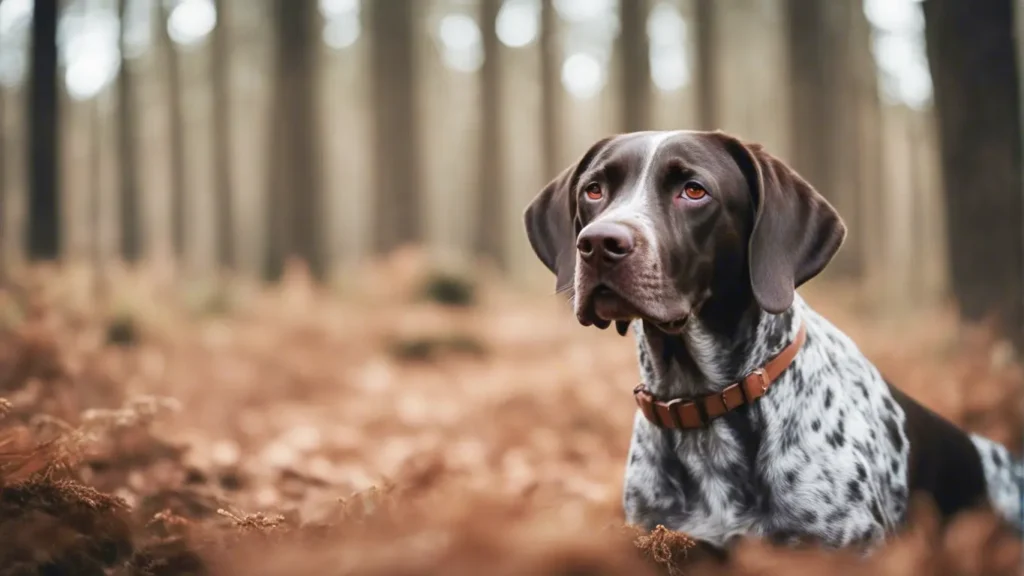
(759, 373)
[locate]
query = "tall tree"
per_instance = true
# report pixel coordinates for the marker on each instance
(95, 217)
(977, 100)
(296, 157)
(708, 114)
(490, 221)
(551, 90)
(224, 193)
(129, 182)
(825, 53)
(635, 67)
(397, 163)
(43, 135)
(4, 237)
(177, 133)
(811, 63)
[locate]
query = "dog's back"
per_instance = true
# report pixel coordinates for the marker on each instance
(959, 470)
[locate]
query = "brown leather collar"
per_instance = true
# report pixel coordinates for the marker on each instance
(699, 412)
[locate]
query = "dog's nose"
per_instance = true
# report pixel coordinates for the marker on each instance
(605, 242)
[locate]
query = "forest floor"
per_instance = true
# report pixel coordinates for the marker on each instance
(415, 425)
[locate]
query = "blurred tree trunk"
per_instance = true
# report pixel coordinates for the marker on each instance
(4, 237)
(978, 107)
(43, 135)
(825, 52)
(551, 90)
(295, 157)
(490, 221)
(393, 71)
(221, 70)
(635, 67)
(95, 219)
(177, 136)
(811, 57)
(129, 182)
(708, 114)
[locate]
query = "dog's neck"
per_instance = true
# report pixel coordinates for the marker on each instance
(711, 352)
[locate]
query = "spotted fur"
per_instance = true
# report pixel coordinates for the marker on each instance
(832, 453)
(1004, 476)
(821, 457)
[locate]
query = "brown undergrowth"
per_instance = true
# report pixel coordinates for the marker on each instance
(235, 430)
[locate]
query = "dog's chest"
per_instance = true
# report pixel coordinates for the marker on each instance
(696, 485)
(822, 457)
(708, 486)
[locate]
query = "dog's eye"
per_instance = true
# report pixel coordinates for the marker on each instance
(593, 191)
(694, 191)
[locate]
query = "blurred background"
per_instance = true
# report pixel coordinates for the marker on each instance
(268, 255)
(232, 134)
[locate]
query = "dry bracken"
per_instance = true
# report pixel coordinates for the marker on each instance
(360, 458)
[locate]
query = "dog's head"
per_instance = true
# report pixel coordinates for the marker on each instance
(652, 224)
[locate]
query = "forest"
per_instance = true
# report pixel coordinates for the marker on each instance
(267, 305)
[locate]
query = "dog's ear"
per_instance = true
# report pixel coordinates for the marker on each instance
(550, 220)
(796, 231)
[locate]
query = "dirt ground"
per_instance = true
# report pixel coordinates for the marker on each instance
(411, 425)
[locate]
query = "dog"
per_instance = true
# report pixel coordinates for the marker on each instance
(757, 417)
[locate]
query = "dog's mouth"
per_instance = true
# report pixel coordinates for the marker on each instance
(604, 305)
(673, 326)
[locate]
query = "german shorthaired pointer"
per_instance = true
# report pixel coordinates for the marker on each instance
(758, 417)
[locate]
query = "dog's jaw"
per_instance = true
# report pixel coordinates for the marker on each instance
(699, 360)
